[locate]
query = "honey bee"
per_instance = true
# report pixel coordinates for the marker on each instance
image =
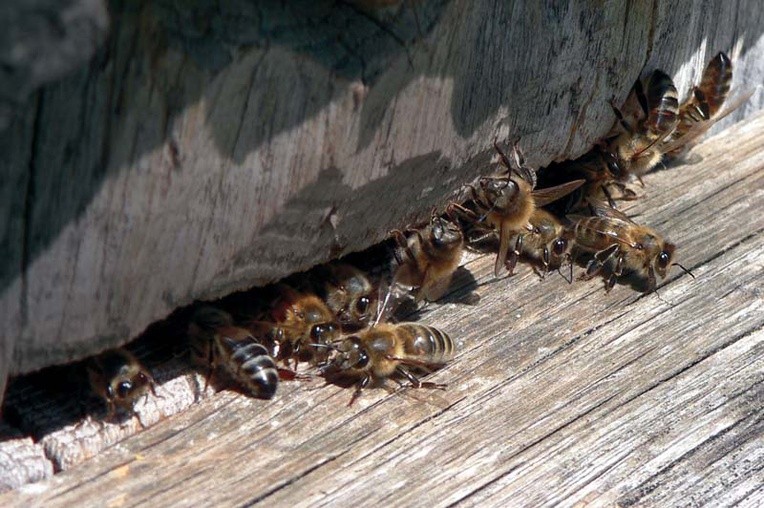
(302, 324)
(546, 242)
(120, 379)
(601, 174)
(637, 150)
(633, 147)
(507, 201)
(703, 108)
(349, 294)
(215, 340)
(621, 247)
(389, 351)
(428, 257)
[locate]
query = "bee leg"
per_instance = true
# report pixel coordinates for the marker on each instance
(502, 156)
(545, 260)
(467, 192)
(610, 282)
(593, 267)
(416, 382)
(608, 196)
(207, 378)
(620, 118)
(403, 247)
(359, 388)
(651, 278)
(456, 208)
(286, 374)
(599, 260)
(514, 255)
(138, 417)
(153, 386)
(617, 270)
(626, 193)
(290, 375)
(111, 412)
(482, 237)
(526, 173)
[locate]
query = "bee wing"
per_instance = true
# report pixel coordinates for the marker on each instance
(233, 334)
(209, 317)
(261, 330)
(604, 211)
(550, 194)
(701, 128)
(387, 301)
(609, 233)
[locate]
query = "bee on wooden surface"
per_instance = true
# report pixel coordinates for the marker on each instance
(619, 246)
(507, 201)
(637, 150)
(428, 257)
(546, 242)
(120, 379)
(217, 342)
(632, 148)
(389, 351)
(349, 294)
(703, 108)
(302, 323)
(601, 175)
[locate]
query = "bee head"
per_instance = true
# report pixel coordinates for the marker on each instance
(353, 354)
(444, 233)
(323, 333)
(124, 390)
(498, 192)
(663, 258)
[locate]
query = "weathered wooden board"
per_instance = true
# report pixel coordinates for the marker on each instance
(21, 460)
(214, 145)
(42, 41)
(561, 393)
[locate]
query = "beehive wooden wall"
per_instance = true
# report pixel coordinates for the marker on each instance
(210, 146)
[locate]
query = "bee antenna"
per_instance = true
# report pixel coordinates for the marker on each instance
(688, 272)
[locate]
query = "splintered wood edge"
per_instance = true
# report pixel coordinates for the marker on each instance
(621, 398)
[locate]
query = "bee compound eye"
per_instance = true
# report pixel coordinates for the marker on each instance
(559, 246)
(363, 360)
(316, 332)
(663, 259)
(123, 389)
(362, 306)
(319, 332)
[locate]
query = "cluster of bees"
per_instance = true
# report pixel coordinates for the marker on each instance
(337, 320)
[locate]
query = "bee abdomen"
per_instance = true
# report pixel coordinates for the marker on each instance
(252, 365)
(715, 83)
(429, 344)
(663, 102)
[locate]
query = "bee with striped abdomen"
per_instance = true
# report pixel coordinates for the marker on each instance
(389, 351)
(216, 341)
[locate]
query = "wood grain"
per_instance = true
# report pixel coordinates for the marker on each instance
(223, 144)
(561, 394)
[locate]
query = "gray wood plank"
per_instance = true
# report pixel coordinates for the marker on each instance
(561, 393)
(220, 145)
